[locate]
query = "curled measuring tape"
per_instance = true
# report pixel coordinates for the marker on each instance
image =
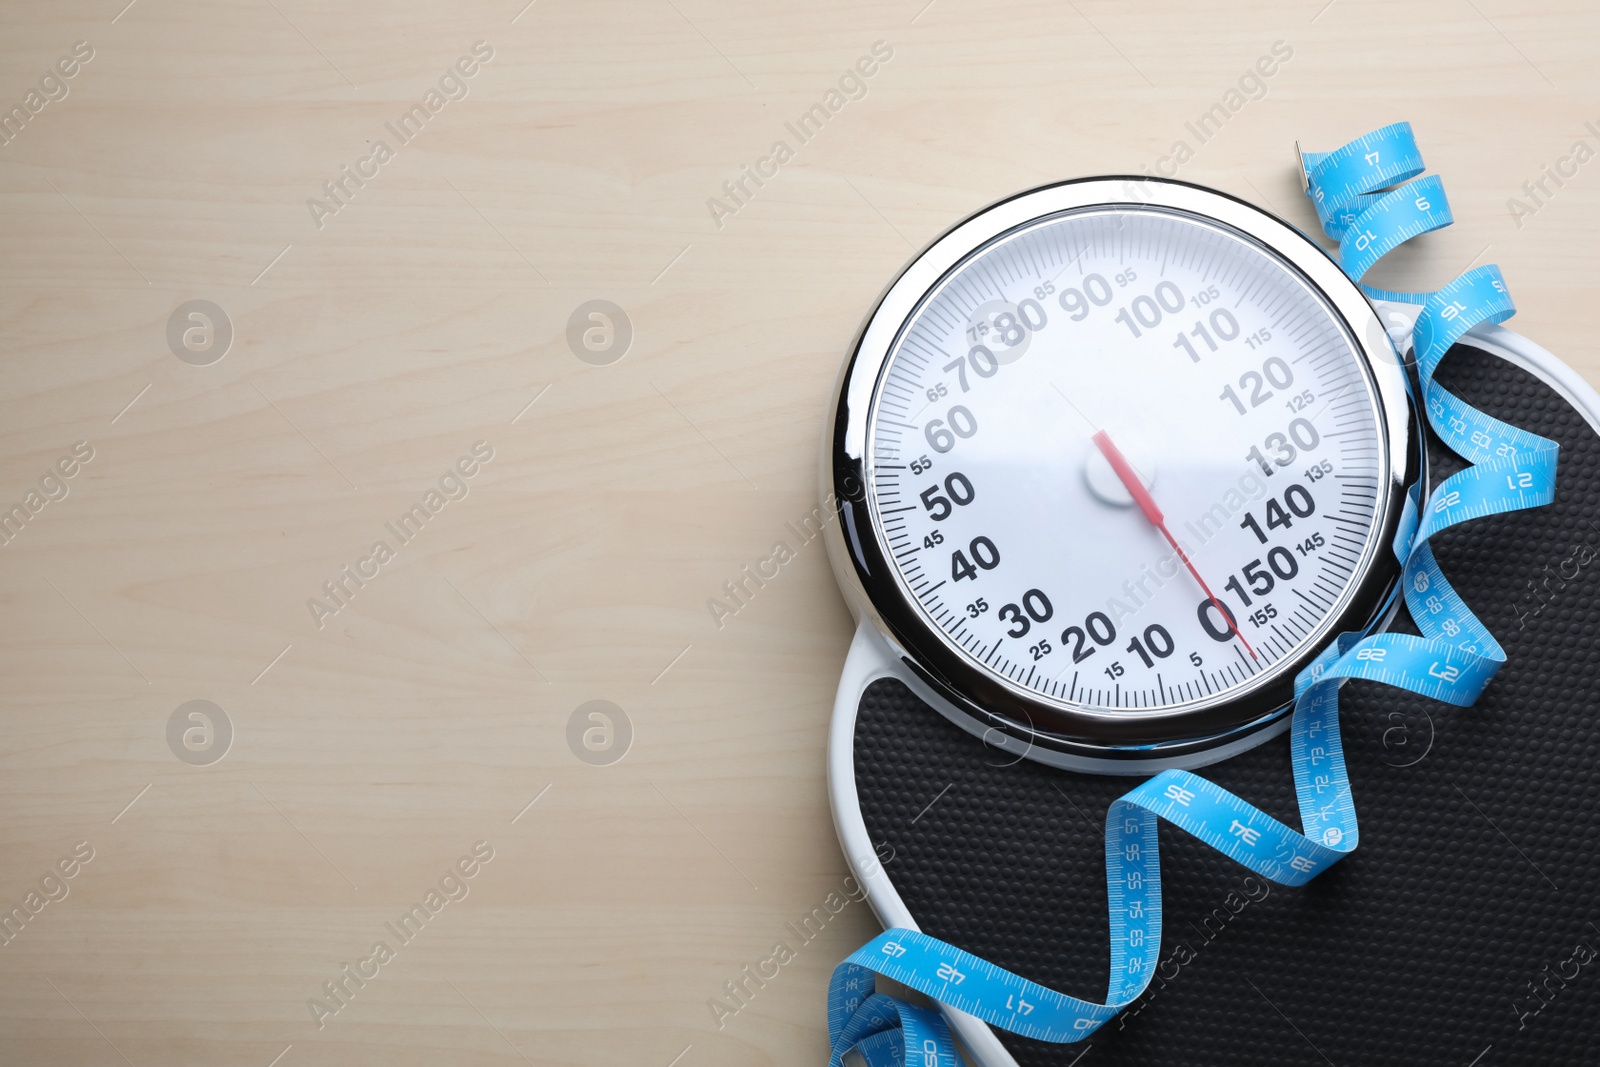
(1370, 198)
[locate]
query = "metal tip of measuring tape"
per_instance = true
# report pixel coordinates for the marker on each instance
(1300, 165)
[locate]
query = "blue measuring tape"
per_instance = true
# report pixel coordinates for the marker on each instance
(1369, 198)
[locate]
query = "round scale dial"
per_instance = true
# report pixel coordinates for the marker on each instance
(1127, 458)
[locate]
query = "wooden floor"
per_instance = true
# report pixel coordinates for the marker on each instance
(392, 212)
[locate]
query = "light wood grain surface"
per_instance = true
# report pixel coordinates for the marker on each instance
(375, 346)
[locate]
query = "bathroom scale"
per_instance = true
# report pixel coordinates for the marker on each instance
(1165, 535)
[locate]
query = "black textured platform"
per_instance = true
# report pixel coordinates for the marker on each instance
(1465, 921)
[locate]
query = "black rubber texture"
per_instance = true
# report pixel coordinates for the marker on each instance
(1477, 866)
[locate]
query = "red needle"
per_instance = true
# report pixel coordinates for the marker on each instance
(1147, 504)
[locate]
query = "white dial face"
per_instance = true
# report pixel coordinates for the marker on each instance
(1126, 459)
